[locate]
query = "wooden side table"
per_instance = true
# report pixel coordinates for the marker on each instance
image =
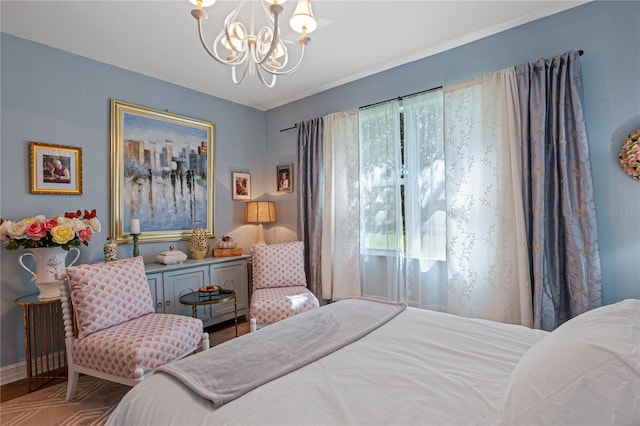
(45, 350)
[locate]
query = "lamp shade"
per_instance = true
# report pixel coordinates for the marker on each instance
(302, 20)
(205, 3)
(260, 212)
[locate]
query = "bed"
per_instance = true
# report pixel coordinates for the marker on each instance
(415, 367)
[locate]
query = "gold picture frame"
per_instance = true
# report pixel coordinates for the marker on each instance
(162, 173)
(55, 169)
(284, 177)
(240, 186)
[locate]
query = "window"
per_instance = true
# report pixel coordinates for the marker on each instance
(402, 177)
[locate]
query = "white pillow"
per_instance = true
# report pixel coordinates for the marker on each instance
(586, 372)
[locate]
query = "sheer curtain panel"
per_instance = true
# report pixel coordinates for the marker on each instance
(487, 264)
(381, 222)
(341, 219)
(424, 200)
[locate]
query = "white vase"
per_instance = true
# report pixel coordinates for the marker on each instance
(48, 262)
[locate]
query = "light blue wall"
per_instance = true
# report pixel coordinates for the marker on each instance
(609, 34)
(54, 97)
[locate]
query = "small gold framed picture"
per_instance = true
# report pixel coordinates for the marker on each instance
(55, 169)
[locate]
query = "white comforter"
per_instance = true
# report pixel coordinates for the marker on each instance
(423, 367)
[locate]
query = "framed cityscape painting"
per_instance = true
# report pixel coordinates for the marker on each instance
(162, 173)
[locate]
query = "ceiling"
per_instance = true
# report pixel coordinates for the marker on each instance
(354, 39)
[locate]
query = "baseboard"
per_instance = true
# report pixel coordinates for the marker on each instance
(13, 373)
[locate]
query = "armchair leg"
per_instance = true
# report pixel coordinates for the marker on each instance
(204, 343)
(72, 383)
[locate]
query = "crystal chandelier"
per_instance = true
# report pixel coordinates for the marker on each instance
(261, 52)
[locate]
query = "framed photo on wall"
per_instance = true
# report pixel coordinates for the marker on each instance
(55, 169)
(240, 186)
(162, 173)
(284, 177)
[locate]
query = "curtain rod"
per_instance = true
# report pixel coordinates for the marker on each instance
(400, 97)
(295, 126)
(580, 52)
(377, 103)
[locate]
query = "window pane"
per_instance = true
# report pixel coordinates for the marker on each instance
(380, 165)
(378, 214)
(425, 182)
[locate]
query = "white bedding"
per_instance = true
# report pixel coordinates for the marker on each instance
(422, 367)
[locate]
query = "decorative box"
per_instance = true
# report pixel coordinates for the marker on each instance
(236, 251)
(171, 256)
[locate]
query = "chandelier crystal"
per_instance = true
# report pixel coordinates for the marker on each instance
(257, 52)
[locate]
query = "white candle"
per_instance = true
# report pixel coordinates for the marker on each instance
(134, 226)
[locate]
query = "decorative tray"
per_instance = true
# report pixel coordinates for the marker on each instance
(213, 290)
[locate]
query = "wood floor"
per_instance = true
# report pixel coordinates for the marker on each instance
(218, 333)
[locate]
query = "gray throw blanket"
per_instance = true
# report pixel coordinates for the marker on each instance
(278, 349)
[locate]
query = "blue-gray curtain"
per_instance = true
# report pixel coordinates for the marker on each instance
(310, 198)
(558, 191)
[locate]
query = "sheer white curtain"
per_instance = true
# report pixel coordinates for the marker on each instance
(341, 219)
(488, 275)
(390, 175)
(381, 225)
(433, 207)
(424, 201)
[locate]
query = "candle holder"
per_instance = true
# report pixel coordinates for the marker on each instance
(136, 251)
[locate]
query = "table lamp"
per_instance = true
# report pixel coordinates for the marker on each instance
(260, 212)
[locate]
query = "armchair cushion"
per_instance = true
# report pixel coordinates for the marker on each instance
(107, 294)
(142, 344)
(279, 265)
(275, 304)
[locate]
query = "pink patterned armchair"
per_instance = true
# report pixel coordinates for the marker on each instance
(279, 283)
(117, 334)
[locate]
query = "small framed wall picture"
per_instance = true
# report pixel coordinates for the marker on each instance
(241, 186)
(55, 169)
(284, 177)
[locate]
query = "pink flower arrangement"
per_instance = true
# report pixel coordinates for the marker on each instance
(70, 230)
(630, 155)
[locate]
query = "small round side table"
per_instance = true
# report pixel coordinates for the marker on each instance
(202, 298)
